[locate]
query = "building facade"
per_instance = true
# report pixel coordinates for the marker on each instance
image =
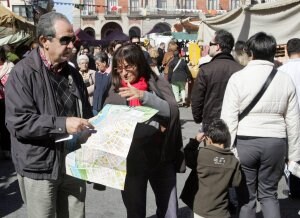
(139, 17)
(24, 8)
(133, 17)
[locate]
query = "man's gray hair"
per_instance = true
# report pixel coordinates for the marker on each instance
(45, 26)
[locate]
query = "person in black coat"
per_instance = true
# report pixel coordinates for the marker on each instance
(161, 53)
(210, 83)
(178, 75)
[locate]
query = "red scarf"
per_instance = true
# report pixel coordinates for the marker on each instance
(142, 85)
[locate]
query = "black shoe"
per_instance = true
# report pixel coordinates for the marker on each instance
(99, 187)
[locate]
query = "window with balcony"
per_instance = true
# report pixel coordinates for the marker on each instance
(134, 6)
(162, 4)
(212, 4)
(88, 9)
(23, 11)
(235, 4)
(162, 7)
(111, 3)
(190, 4)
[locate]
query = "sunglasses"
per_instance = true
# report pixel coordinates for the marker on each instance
(65, 40)
(212, 43)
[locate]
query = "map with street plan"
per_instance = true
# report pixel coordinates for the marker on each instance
(102, 159)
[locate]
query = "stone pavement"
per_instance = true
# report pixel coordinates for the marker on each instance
(108, 203)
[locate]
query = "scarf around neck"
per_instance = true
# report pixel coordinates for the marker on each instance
(142, 85)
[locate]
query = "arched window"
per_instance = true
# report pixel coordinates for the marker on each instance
(90, 31)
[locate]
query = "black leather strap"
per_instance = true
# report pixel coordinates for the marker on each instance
(259, 95)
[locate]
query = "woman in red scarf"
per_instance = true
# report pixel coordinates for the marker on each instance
(155, 149)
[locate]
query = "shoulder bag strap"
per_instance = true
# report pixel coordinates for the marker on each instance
(177, 65)
(258, 96)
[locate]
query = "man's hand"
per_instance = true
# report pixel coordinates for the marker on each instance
(84, 135)
(76, 125)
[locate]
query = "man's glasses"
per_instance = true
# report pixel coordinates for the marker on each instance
(128, 68)
(212, 43)
(65, 40)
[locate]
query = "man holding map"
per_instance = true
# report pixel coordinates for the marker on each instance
(46, 99)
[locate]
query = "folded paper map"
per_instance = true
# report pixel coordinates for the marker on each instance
(102, 159)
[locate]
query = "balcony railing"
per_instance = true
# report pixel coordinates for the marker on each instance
(162, 12)
(114, 13)
(88, 13)
(85, 14)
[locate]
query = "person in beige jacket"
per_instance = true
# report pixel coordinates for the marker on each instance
(269, 131)
(87, 74)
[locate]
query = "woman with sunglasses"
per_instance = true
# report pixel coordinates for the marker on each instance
(156, 143)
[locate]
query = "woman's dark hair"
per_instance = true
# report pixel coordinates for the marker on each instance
(2, 54)
(239, 47)
(176, 54)
(218, 132)
(102, 57)
(133, 55)
(261, 47)
(112, 45)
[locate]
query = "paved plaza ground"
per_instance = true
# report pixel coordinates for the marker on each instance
(108, 203)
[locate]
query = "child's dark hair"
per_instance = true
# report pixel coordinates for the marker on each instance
(218, 132)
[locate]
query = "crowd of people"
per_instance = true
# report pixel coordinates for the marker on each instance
(246, 107)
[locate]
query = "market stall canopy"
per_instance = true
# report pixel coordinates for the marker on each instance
(116, 35)
(156, 29)
(85, 38)
(188, 24)
(185, 36)
(10, 23)
(280, 19)
(16, 38)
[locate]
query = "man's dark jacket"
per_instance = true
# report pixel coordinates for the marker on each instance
(32, 120)
(160, 57)
(209, 87)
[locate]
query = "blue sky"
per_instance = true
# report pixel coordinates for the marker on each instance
(64, 9)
